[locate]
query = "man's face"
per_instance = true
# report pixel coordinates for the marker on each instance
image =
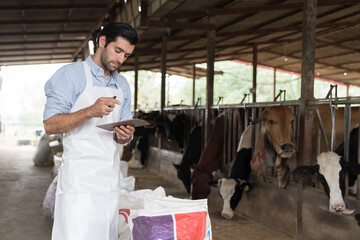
(115, 53)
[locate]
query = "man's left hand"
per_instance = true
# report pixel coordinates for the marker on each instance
(123, 133)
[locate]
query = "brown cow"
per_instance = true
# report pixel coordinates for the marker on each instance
(210, 161)
(275, 145)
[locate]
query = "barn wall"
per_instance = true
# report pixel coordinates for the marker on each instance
(161, 163)
(274, 207)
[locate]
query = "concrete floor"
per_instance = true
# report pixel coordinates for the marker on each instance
(23, 187)
(22, 190)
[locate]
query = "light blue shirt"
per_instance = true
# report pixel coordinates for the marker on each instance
(65, 86)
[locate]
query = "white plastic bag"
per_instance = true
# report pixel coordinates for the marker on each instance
(169, 218)
(130, 201)
(49, 200)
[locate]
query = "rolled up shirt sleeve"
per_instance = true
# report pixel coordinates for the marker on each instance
(62, 90)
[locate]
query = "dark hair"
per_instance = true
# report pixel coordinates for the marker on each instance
(118, 29)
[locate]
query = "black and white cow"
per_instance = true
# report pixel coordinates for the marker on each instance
(331, 170)
(191, 156)
(173, 127)
(353, 158)
(232, 187)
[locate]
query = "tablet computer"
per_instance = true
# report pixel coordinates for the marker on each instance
(133, 122)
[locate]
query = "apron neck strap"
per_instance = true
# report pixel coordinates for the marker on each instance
(88, 75)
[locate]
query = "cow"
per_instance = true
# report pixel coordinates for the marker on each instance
(210, 161)
(173, 127)
(190, 157)
(232, 187)
(331, 170)
(275, 145)
(353, 156)
(140, 139)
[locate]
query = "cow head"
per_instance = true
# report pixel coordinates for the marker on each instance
(231, 192)
(173, 127)
(199, 183)
(331, 171)
(184, 175)
(275, 145)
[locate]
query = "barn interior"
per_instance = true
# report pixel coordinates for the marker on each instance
(317, 39)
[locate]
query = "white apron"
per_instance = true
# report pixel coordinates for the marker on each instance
(88, 181)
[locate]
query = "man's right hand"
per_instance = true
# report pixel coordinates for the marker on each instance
(103, 106)
(62, 123)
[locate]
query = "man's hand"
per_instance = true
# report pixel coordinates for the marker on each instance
(103, 106)
(62, 123)
(123, 134)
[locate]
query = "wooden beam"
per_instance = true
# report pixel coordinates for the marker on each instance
(210, 56)
(36, 49)
(163, 72)
(177, 25)
(51, 7)
(95, 27)
(328, 25)
(274, 84)
(136, 81)
(48, 21)
(33, 54)
(307, 82)
(41, 33)
(254, 9)
(39, 42)
(193, 84)
(254, 63)
(307, 93)
(35, 60)
(317, 62)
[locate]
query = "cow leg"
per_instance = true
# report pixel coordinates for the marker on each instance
(128, 148)
(282, 172)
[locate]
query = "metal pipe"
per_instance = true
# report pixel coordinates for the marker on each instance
(333, 113)
(321, 127)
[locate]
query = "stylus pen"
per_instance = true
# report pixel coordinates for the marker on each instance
(114, 97)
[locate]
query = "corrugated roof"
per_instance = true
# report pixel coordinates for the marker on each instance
(56, 31)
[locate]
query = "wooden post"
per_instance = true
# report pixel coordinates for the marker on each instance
(163, 72)
(307, 82)
(274, 84)
(209, 79)
(136, 79)
(307, 93)
(253, 90)
(193, 88)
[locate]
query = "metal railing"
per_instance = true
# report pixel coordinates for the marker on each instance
(239, 116)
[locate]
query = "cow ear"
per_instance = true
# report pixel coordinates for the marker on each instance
(345, 165)
(215, 183)
(306, 170)
(177, 166)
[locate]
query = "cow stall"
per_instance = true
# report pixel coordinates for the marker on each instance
(302, 208)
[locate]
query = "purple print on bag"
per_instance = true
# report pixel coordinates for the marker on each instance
(153, 228)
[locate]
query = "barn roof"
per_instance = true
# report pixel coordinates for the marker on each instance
(54, 31)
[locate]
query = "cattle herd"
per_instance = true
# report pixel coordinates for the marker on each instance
(274, 153)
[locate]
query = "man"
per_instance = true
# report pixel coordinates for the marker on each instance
(81, 96)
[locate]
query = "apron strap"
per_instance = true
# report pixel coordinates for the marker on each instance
(88, 75)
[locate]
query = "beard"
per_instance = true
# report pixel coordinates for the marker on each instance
(108, 64)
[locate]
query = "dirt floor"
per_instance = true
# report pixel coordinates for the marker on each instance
(23, 187)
